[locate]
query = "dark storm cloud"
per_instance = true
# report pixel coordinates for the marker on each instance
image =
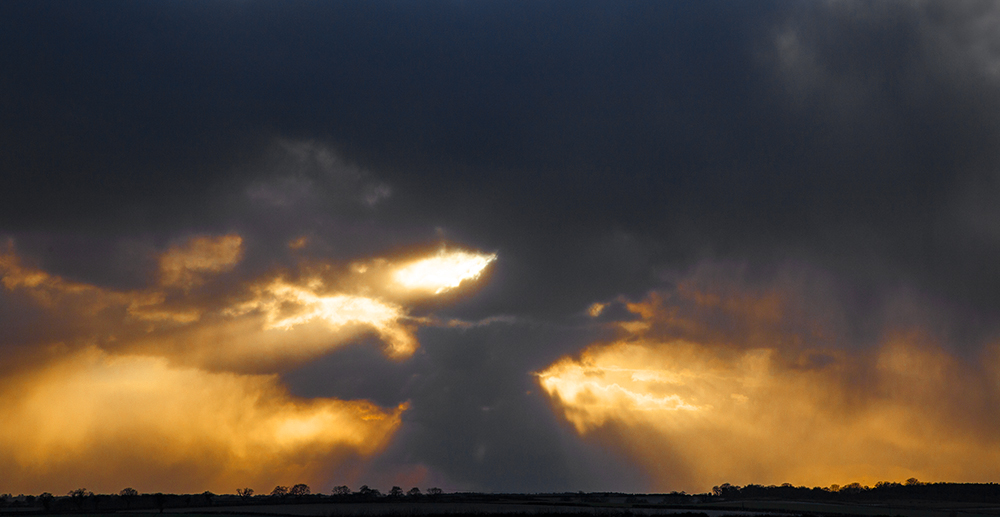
(560, 125)
(476, 419)
(898, 120)
(602, 149)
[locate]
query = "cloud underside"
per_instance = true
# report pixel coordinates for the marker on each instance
(761, 406)
(175, 387)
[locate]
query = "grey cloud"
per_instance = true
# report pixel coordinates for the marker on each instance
(965, 35)
(302, 171)
(477, 415)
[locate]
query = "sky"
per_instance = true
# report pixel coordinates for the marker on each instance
(518, 246)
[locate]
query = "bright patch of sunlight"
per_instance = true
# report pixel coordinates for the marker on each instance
(443, 271)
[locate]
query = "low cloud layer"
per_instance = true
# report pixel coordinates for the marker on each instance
(93, 419)
(710, 386)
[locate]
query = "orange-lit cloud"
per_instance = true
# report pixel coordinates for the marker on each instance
(102, 421)
(182, 266)
(763, 405)
(286, 305)
(173, 387)
(595, 309)
(59, 294)
(46, 289)
(269, 321)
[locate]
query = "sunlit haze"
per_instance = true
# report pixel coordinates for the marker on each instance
(698, 411)
(94, 419)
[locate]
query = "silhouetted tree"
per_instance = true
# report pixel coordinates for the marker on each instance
(396, 492)
(128, 494)
(726, 490)
(853, 489)
(299, 490)
(413, 492)
(161, 500)
(369, 493)
(342, 490)
(279, 491)
(79, 496)
(46, 499)
(434, 491)
(244, 493)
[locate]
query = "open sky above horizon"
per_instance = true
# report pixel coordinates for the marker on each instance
(519, 246)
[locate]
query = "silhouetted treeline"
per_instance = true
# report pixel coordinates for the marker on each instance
(912, 489)
(84, 501)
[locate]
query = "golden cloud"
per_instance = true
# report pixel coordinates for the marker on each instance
(173, 388)
(708, 408)
(48, 290)
(103, 421)
(272, 321)
(286, 306)
(182, 266)
(65, 296)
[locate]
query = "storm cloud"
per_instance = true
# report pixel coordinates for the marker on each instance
(795, 196)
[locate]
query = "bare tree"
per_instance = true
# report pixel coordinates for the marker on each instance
(161, 500)
(46, 499)
(279, 491)
(128, 494)
(299, 490)
(367, 492)
(79, 496)
(244, 493)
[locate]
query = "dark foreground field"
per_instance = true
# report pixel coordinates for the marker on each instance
(914, 500)
(611, 508)
(535, 508)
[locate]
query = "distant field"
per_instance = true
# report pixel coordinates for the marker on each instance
(518, 505)
(451, 509)
(717, 509)
(901, 508)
